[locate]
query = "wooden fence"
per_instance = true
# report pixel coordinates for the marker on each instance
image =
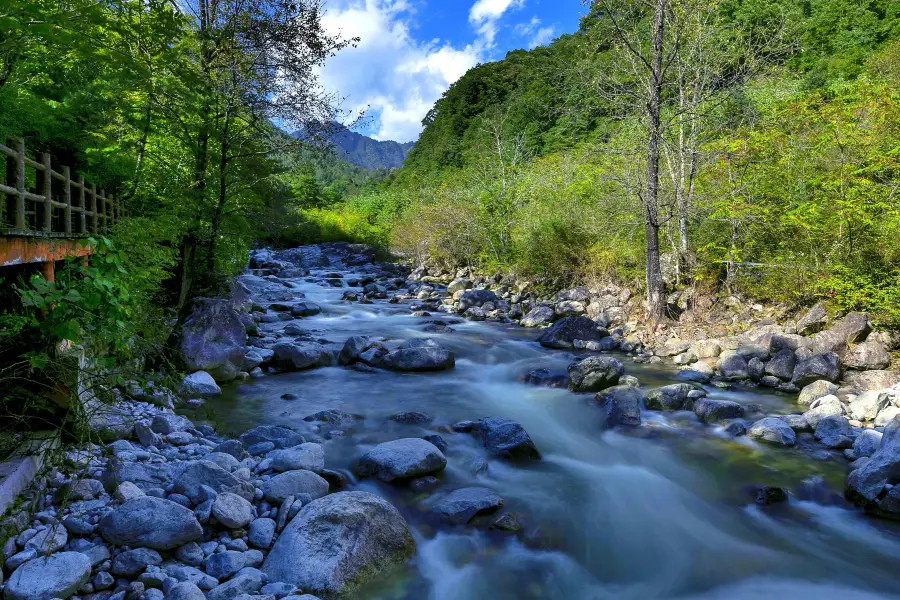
(56, 205)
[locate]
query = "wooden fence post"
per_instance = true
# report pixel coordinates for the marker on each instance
(46, 193)
(93, 208)
(67, 199)
(20, 184)
(82, 202)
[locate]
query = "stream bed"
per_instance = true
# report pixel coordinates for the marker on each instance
(664, 511)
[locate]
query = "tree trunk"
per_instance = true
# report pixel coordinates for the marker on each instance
(655, 284)
(220, 205)
(142, 148)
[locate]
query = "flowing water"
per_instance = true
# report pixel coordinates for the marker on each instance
(663, 512)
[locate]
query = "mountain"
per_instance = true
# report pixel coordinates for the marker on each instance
(367, 153)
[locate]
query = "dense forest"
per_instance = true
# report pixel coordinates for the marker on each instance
(363, 151)
(778, 153)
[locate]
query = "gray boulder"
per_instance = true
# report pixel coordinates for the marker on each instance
(401, 459)
(475, 298)
(352, 348)
(853, 328)
(133, 562)
(296, 356)
(281, 437)
(150, 522)
(232, 511)
(185, 590)
(563, 333)
(782, 364)
(866, 484)
(594, 374)
(417, 355)
(46, 578)
(196, 474)
(669, 397)
(814, 320)
(213, 339)
(338, 543)
(200, 384)
(505, 438)
(307, 456)
(826, 406)
(867, 356)
(247, 581)
(825, 366)
(459, 285)
(867, 443)
(699, 372)
(460, 506)
(293, 483)
(834, 432)
(867, 405)
(538, 317)
(622, 404)
(733, 366)
(716, 411)
(774, 431)
(815, 390)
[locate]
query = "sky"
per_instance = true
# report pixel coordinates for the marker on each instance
(411, 51)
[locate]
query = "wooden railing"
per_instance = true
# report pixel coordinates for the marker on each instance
(69, 208)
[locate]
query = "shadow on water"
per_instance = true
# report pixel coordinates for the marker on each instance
(659, 513)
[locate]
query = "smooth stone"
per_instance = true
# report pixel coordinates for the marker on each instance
(460, 506)
(150, 522)
(401, 459)
(59, 576)
(292, 483)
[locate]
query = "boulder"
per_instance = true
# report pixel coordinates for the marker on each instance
(862, 381)
(352, 348)
(774, 431)
(716, 411)
(150, 522)
(547, 378)
(699, 372)
(853, 328)
(594, 374)
(232, 511)
(867, 405)
(460, 506)
(338, 543)
(296, 356)
(866, 484)
(46, 578)
(733, 366)
(185, 590)
(213, 339)
(401, 459)
(815, 390)
(669, 397)
(576, 294)
(293, 483)
(505, 438)
(419, 355)
(133, 562)
(867, 443)
(814, 320)
(622, 404)
(538, 317)
(305, 309)
(281, 437)
(563, 333)
(826, 406)
(834, 431)
(782, 364)
(568, 308)
(200, 384)
(459, 285)
(867, 356)
(307, 456)
(196, 474)
(475, 298)
(825, 366)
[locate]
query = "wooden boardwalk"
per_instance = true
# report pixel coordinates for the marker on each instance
(47, 214)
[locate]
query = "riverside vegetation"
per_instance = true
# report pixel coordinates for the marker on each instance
(694, 201)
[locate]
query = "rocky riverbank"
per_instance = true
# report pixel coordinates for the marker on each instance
(170, 510)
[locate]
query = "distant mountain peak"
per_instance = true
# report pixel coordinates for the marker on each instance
(365, 152)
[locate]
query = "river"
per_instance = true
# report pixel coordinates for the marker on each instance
(663, 512)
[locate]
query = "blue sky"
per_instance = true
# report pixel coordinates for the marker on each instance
(413, 50)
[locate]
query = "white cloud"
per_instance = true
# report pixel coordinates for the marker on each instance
(398, 77)
(484, 15)
(538, 36)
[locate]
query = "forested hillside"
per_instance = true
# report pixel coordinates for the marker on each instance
(365, 152)
(777, 142)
